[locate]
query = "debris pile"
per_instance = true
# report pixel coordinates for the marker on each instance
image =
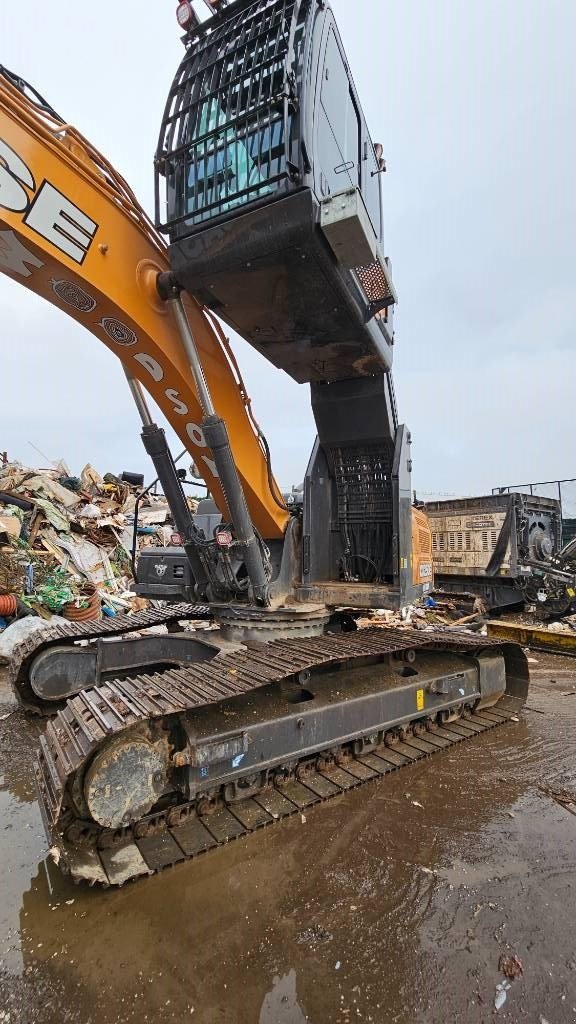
(461, 613)
(567, 624)
(66, 542)
(466, 613)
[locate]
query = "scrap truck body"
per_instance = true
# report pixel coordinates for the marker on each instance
(502, 547)
(269, 191)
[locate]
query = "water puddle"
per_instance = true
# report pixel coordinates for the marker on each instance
(391, 903)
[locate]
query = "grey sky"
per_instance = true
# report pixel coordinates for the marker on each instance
(475, 105)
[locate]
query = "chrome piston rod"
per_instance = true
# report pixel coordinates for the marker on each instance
(217, 439)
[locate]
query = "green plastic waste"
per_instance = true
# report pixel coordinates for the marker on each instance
(55, 592)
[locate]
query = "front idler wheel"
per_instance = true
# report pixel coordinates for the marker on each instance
(126, 779)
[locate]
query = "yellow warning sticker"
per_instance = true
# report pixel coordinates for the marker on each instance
(420, 700)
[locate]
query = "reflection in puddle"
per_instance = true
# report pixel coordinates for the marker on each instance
(389, 904)
(22, 842)
(281, 1005)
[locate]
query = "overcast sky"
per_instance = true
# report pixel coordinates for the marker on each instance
(475, 104)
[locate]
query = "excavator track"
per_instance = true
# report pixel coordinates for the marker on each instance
(32, 646)
(92, 853)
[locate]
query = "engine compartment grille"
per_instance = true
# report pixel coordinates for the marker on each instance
(363, 483)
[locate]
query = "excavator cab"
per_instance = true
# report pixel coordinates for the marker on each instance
(268, 185)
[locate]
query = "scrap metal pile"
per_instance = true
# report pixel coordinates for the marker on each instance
(66, 542)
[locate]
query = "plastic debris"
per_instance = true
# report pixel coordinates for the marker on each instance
(91, 511)
(47, 486)
(55, 592)
(55, 517)
(90, 479)
(501, 994)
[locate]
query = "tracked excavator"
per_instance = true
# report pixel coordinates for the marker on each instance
(268, 189)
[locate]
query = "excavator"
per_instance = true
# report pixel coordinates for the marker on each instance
(268, 220)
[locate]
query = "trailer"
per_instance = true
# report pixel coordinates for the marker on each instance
(503, 548)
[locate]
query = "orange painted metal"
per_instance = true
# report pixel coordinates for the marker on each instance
(8, 605)
(422, 570)
(111, 291)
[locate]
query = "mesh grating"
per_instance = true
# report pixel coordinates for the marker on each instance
(424, 541)
(225, 130)
(375, 284)
(363, 485)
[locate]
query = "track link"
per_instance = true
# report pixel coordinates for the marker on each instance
(113, 859)
(157, 840)
(34, 645)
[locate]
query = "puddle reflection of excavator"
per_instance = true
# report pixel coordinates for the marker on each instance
(268, 186)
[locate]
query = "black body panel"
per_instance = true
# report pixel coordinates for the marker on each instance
(271, 276)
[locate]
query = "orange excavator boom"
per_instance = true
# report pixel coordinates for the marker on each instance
(72, 231)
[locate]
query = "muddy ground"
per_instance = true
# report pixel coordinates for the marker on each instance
(372, 909)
